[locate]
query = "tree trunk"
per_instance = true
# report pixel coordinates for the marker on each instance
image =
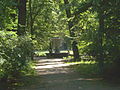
(31, 17)
(21, 17)
(75, 51)
(100, 56)
(31, 27)
(72, 32)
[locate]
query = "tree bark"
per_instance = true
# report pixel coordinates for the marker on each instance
(31, 27)
(100, 55)
(21, 17)
(31, 17)
(72, 32)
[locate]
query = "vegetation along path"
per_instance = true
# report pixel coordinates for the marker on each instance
(54, 74)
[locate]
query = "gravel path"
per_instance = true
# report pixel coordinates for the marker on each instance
(54, 74)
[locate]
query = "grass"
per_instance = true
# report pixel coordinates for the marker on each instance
(41, 53)
(91, 69)
(86, 68)
(83, 62)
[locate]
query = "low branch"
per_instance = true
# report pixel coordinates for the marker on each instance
(83, 8)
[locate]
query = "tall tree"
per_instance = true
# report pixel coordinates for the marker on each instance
(72, 31)
(21, 17)
(31, 18)
(100, 36)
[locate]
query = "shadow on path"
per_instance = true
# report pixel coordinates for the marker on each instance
(54, 74)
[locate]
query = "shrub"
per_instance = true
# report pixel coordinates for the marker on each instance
(15, 54)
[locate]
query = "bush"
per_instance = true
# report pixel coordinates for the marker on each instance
(15, 54)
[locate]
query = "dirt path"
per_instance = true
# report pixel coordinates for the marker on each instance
(54, 74)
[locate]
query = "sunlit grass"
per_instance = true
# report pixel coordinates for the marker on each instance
(83, 62)
(86, 68)
(41, 53)
(65, 51)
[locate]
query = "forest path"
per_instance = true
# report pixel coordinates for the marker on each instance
(54, 74)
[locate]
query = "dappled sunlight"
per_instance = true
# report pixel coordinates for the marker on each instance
(55, 74)
(82, 62)
(89, 79)
(51, 66)
(52, 63)
(59, 44)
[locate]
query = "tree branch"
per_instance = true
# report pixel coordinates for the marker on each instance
(83, 8)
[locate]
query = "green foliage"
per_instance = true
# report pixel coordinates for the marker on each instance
(87, 69)
(49, 20)
(8, 13)
(101, 41)
(15, 53)
(89, 35)
(41, 53)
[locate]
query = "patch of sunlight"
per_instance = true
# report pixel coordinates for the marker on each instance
(41, 53)
(89, 79)
(66, 51)
(82, 62)
(55, 63)
(52, 66)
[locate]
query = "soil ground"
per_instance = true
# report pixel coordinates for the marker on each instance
(54, 74)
